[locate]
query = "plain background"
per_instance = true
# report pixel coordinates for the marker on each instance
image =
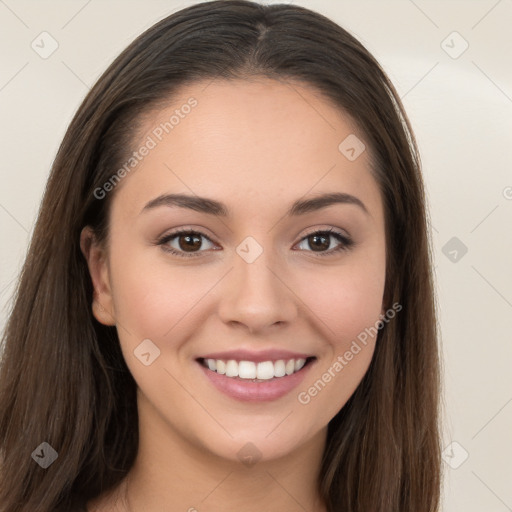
(459, 101)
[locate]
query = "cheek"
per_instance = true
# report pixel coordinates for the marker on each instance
(345, 299)
(153, 299)
(348, 305)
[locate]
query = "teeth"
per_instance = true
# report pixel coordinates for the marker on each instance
(299, 363)
(231, 367)
(221, 367)
(250, 370)
(247, 370)
(265, 370)
(279, 369)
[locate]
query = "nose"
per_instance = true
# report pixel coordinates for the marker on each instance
(256, 296)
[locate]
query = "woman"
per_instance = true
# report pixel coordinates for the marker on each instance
(228, 300)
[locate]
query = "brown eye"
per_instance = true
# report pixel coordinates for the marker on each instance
(185, 243)
(320, 242)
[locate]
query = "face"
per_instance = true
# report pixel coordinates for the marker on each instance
(252, 279)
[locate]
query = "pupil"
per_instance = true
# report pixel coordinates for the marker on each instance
(324, 245)
(188, 238)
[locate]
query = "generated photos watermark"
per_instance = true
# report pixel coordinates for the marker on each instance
(304, 397)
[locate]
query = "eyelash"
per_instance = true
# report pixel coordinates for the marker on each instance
(346, 242)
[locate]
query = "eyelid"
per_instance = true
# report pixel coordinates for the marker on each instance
(329, 229)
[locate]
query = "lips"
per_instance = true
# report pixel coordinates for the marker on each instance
(255, 376)
(256, 357)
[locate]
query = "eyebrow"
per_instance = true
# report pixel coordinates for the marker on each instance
(213, 207)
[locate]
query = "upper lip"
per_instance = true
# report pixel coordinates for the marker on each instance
(256, 356)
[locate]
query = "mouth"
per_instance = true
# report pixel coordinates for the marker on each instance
(253, 371)
(255, 380)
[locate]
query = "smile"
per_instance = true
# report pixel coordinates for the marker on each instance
(256, 371)
(255, 381)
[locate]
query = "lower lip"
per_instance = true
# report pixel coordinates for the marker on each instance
(249, 391)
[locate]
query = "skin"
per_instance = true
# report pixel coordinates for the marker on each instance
(257, 146)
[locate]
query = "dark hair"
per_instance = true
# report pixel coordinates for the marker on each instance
(63, 379)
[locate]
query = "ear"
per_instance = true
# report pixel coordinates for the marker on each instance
(102, 303)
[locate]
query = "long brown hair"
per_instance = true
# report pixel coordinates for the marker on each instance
(63, 379)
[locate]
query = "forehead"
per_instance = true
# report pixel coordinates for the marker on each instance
(253, 138)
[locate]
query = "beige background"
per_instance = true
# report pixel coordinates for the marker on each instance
(461, 110)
